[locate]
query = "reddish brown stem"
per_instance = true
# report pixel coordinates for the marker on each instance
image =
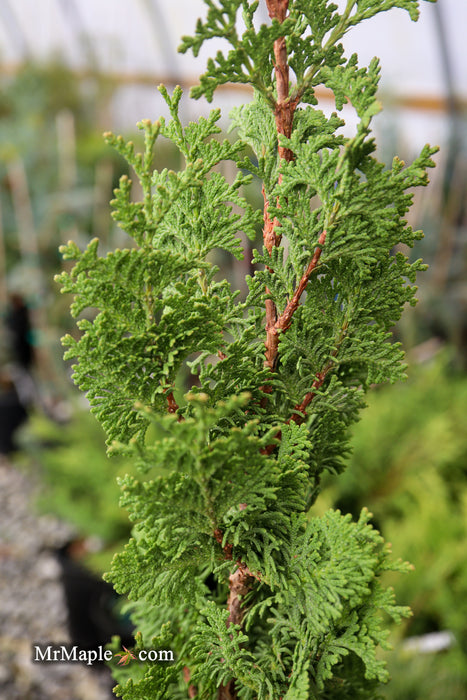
(283, 113)
(239, 585)
(285, 108)
(309, 396)
(285, 319)
(227, 549)
(298, 416)
(227, 692)
(270, 237)
(192, 692)
(172, 404)
(240, 581)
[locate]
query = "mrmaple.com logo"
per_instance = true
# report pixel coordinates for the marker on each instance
(65, 653)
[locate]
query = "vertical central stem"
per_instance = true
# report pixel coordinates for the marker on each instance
(271, 239)
(240, 581)
(285, 108)
(283, 114)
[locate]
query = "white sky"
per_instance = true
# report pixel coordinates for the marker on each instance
(141, 36)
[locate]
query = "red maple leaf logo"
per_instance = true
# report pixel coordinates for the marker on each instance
(126, 656)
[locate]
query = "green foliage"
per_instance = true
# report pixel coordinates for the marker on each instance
(251, 57)
(266, 599)
(153, 682)
(409, 461)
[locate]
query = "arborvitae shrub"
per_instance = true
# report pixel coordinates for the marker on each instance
(228, 565)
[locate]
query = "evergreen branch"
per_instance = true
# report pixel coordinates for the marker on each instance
(298, 416)
(226, 548)
(227, 692)
(284, 107)
(267, 602)
(172, 404)
(240, 582)
(285, 319)
(192, 691)
(271, 239)
(284, 112)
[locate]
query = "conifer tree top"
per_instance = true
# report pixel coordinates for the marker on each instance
(230, 470)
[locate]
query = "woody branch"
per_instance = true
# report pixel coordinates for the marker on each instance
(283, 113)
(241, 579)
(285, 319)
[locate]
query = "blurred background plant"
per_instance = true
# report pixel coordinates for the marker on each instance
(409, 462)
(409, 459)
(78, 480)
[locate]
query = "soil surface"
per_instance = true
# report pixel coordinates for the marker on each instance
(32, 606)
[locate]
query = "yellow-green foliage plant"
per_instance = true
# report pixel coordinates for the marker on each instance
(228, 566)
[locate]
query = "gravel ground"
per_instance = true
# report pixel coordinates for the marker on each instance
(32, 607)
